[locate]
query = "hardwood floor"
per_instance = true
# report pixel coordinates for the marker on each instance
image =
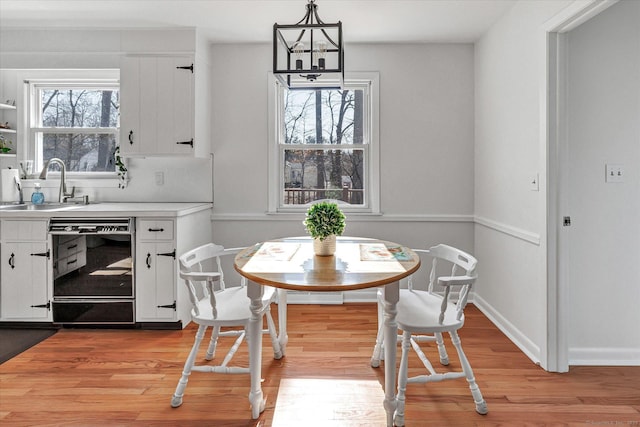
(85, 377)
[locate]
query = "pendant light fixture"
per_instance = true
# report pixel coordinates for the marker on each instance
(309, 54)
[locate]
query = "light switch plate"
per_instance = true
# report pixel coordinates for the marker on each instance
(614, 173)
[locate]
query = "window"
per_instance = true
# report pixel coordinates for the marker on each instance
(77, 122)
(325, 147)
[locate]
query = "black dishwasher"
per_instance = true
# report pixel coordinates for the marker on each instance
(93, 271)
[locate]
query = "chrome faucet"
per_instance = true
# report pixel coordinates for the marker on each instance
(62, 195)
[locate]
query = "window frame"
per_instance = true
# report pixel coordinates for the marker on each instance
(369, 82)
(34, 130)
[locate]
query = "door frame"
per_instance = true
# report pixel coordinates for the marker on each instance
(553, 119)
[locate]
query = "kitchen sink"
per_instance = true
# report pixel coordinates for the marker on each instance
(43, 207)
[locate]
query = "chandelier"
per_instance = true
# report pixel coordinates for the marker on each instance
(309, 54)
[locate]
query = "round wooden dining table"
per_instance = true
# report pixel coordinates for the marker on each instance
(289, 264)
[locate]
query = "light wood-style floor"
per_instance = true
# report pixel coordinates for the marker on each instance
(85, 377)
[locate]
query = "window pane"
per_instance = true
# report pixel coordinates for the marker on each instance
(79, 108)
(323, 117)
(81, 152)
(323, 174)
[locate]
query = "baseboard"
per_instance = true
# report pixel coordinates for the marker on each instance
(604, 357)
(527, 346)
(361, 295)
(295, 297)
(160, 325)
(27, 325)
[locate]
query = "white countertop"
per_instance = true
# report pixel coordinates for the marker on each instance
(109, 209)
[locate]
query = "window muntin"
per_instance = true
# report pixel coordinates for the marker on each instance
(324, 146)
(76, 122)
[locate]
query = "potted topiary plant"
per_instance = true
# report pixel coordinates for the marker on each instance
(324, 221)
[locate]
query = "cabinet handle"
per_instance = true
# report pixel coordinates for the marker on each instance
(47, 305)
(190, 142)
(131, 137)
(72, 262)
(156, 230)
(171, 254)
(148, 261)
(72, 247)
(188, 67)
(45, 254)
(12, 261)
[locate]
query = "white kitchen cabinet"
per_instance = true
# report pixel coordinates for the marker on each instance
(157, 107)
(155, 274)
(161, 297)
(24, 284)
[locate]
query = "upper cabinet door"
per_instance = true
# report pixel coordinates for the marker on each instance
(157, 106)
(130, 106)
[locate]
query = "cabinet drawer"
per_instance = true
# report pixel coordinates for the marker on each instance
(24, 230)
(155, 230)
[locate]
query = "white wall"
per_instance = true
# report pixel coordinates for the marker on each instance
(37, 50)
(510, 234)
(511, 286)
(426, 144)
(604, 127)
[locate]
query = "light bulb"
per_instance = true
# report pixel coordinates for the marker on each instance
(298, 50)
(321, 53)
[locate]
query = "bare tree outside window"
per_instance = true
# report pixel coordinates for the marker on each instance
(323, 146)
(79, 126)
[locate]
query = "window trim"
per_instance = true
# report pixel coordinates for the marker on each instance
(371, 129)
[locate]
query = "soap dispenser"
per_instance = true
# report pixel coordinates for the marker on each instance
(37, 198)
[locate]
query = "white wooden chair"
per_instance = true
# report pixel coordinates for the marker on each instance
(218, 307)
(424, 315)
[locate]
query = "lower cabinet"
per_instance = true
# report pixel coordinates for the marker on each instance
(161, 296)
(24, 277)
(27, 269)
(156, 281)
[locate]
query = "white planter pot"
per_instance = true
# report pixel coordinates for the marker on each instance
(326, 247)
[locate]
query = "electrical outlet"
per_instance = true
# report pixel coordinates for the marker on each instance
(159, 178)
(614, 173)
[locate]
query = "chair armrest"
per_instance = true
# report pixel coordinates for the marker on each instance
(232, 251)
(200, 276)
(456, 280)
(421, 251)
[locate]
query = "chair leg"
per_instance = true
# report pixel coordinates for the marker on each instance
(444, 357)
(398, 419)
(211, 350)
(481, 405)
(176, 400)
(378, 353)
(271, 326)
(378, 349)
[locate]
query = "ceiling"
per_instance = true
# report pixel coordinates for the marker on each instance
(245, 21)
